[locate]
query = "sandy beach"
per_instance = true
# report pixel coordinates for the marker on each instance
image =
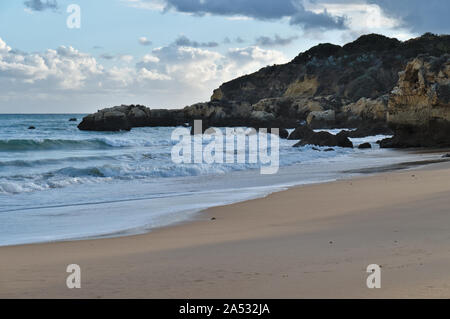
(307, 242)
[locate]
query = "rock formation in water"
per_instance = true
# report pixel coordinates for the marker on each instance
(125, 117)
(323, 138)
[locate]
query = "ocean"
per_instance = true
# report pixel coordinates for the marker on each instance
(60, 183)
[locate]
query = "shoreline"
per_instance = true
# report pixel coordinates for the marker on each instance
(254, 249)
(192, 216)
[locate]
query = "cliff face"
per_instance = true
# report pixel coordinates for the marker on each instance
(422, 93)
(331, 77)
(419, 106)
(350, 72)
(326, 86)
(367, 67)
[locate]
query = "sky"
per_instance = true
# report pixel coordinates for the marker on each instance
(173, 53)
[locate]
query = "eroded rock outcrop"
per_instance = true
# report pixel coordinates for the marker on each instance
(125, 117)
(419, 106)
(367, 110)
(109, 119)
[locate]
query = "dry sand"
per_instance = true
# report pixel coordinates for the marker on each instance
(306, 242)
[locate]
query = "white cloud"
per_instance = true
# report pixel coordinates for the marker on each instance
(3, 47)
(170, 76)
(144, 41)
(148, 5)
(145, 74)
(126, 58)
(250, 58)
(239, 18)
(203, 68)
(64, 68)
(361, 15)
(148, 58)
(362, 18)
(192, 66)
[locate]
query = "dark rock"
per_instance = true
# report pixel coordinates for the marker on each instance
(138, 116)
(369, 129)
(162, 117)
(125, 117)
(300, 133)
(343, 141)
(73, 119)
(329, 150)
(31, 128)
(436, 134)
(325, 139)
(364, 146)
(107, 120)
(446, 156)
(284, 133)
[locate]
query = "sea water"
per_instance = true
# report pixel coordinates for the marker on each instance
(60, 183)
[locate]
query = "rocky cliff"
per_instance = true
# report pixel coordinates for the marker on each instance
(326, 86)
(353, 81)
(419, 106)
